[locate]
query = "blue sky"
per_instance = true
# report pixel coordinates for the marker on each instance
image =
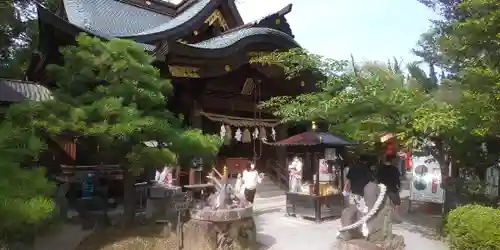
(373, 30)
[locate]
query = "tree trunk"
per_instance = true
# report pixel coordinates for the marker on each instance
(442, 156)
(128, 197)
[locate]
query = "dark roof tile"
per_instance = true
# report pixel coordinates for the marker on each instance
(231, 38)
(112, 17)
(116, 19)
(18, 91)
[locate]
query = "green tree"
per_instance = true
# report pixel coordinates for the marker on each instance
(364, 104)
(109, 92)
(18, 35)
(24, 193)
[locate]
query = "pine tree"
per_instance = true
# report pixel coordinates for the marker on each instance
(110, 92)
(24, 193)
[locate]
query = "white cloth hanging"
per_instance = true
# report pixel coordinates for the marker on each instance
(273, 134)
(239, 183)
(222, 131)
(255, 134)
(247, 137)
(263, 133)
(238, 135)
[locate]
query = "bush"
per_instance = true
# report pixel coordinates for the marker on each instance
(473, 227)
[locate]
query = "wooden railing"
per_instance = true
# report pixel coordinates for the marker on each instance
(277, 172)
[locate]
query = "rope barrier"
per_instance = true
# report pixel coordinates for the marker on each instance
(241, 121)
(370, 214)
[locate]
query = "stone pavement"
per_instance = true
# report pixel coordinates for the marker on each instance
(277, 232)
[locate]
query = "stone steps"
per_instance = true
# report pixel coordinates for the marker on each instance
(269, 196)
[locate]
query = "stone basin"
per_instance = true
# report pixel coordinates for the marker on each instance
(214, 229)
(221, 215)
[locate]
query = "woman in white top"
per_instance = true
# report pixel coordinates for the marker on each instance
(295, 173)
(250, 179)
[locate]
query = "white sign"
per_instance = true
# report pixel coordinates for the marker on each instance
(330, 154)
(426, 180)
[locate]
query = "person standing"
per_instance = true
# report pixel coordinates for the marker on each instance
(389, 175)
(295, 175)
(250, 179)
(357, 177)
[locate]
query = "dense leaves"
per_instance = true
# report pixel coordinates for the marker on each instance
(473, 227)
(109, 93)
(24, 192)
(18, 35)
(364, 103)
(112, 93)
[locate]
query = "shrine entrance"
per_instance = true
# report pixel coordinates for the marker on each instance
(242, 140)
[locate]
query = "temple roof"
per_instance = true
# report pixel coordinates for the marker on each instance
(112, 18)
(231, 38)
(160, 33)
(18, 91)
(118, 19)
(313, 138)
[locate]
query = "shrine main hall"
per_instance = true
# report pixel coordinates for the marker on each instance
(203, 46)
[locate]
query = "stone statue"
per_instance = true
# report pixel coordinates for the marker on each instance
(366, 222)
(223, 221)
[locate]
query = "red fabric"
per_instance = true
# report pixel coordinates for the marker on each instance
(407, 160)
(390, 149)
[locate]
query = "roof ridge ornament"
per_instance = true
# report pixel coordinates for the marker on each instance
(217, 17)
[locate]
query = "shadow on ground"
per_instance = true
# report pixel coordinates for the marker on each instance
(424, 219)
(265, 241)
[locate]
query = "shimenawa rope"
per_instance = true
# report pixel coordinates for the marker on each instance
(370, 214)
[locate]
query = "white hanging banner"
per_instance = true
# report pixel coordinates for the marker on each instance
(330, 154)
(426, 181)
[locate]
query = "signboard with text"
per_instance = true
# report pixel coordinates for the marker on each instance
(426, 180)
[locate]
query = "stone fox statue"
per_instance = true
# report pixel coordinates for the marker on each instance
(368, 218)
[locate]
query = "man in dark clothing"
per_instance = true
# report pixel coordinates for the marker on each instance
(358, 176)
(389, 175)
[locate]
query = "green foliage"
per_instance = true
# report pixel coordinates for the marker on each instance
(110, 91)
(362, 104)
(24, 193)
(18, 35)
(473, 227)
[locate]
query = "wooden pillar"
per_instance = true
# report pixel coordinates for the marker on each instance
(196, 121)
